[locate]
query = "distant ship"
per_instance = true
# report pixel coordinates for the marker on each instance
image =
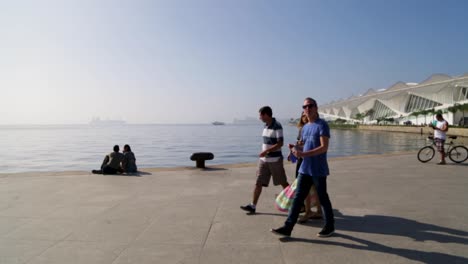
(293, 122)
(217, 123)
(107, 122)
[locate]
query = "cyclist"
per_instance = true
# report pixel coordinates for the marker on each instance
(440, 126)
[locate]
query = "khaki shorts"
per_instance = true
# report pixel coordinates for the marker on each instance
(267, 169)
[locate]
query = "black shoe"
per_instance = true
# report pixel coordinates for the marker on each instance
(282, 231)
(96, 171)
(326, 231)
(248, 208)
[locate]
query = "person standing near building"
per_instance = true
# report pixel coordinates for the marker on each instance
(440, 126)
(270, 163)
(314, 170)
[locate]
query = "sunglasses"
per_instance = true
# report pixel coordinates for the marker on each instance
(308, 106)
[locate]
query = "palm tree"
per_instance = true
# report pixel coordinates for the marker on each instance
(464, 107)
(370, 113)
(424, 113)
(432, 112)
(359, 116)
(389, 119)
(453, 109)
(416, 114)
(380, 119)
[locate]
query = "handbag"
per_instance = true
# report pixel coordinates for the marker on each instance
(285, 198)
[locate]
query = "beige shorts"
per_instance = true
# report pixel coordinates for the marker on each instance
(267, 169)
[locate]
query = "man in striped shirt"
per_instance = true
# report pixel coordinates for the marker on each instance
(271, 159)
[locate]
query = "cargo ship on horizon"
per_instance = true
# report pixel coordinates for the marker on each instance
(96, 121)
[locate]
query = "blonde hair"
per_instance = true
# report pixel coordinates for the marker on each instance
(301, 123)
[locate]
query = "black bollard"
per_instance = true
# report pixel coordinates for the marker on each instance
(201, 157)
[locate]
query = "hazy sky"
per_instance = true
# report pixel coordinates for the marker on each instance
(200, 61)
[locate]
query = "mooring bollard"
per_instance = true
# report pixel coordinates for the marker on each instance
(200, 158)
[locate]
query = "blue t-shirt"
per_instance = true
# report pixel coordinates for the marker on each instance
(316, 166)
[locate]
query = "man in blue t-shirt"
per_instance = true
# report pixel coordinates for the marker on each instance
(313, 171)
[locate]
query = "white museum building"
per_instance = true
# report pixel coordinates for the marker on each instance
(403, 102)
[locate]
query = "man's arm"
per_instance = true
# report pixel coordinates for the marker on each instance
(444, 127)
(105, 161)
(273, 148)
(323, 148)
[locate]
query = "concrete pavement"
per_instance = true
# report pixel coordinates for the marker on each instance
(388, 209)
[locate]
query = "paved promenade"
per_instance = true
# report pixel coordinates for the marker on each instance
(388, 208)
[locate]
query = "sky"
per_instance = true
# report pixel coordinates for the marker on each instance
(165, 62)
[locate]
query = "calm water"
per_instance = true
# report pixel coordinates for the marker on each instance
(83, 147)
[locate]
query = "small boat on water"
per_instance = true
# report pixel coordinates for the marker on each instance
(106, 122)
(217, 123)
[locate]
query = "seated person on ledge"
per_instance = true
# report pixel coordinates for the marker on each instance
(129, 160)
(111, 163)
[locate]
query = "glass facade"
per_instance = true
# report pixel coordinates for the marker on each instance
(416, 103)
(462, 94)
(381, 111)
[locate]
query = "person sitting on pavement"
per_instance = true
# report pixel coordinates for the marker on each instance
(111, 163)
(129, 160)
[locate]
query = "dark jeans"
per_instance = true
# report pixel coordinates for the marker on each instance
(298, 165)
(304, 182)
(109, 170)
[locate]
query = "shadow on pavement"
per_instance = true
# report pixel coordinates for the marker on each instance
(213, 169)
(464, 164)
(395, 226)
(398, 226)
(412, 254)
(131, 174)
(273, 214)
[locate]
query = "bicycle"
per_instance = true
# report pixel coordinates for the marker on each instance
(456, 153)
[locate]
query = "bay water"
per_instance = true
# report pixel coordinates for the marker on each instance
(83, 147)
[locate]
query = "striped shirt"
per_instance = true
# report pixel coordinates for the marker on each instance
(272, 134)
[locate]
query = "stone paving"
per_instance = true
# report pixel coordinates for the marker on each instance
(388, 208)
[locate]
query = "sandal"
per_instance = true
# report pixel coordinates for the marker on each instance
(315, 215)
(303, 219)
(311, 215)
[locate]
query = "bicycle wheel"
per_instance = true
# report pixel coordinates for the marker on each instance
(458, 154)
(426, 154)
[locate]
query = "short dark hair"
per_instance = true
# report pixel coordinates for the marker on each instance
(439, 115)
(266, 110)
(127, 147)
(116, 148)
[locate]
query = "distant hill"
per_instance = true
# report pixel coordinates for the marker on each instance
(256, 121)
(246, 121)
